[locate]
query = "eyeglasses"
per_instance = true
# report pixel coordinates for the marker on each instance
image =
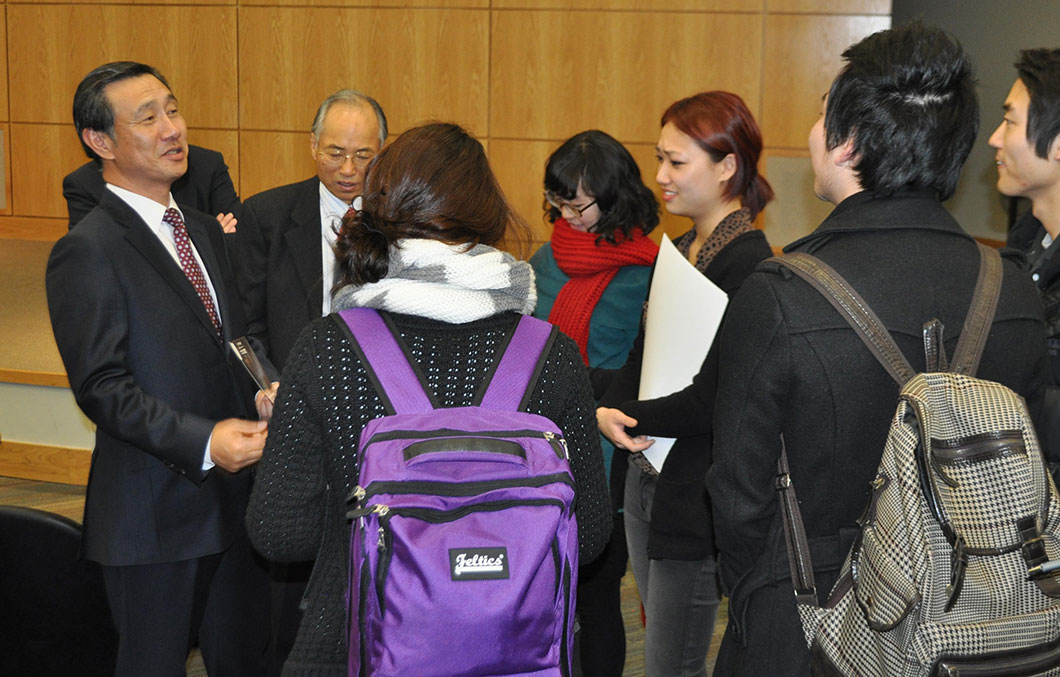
(553, 200)
(334, 158)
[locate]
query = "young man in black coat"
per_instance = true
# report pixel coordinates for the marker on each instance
(1028, 165)
(896, 127)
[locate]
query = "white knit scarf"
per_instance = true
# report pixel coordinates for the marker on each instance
(446, 282)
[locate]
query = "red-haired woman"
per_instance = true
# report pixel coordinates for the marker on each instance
(708, 156)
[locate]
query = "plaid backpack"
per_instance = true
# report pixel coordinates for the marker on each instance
(952, 572)
(464, 546)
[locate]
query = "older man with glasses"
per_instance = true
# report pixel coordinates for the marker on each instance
(286, 268)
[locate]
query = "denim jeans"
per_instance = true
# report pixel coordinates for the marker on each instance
(680, 597)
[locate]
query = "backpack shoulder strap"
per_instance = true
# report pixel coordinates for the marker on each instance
(398, 383)
(980, 314)
(516, 372)
(854, 310)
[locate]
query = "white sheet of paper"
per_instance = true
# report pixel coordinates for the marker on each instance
(684, 311)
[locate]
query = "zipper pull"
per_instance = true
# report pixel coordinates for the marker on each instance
(357, 495)
(558, 444)
(365, 509)
(381, 511)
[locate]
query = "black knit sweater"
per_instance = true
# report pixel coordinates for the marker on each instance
(297, 509)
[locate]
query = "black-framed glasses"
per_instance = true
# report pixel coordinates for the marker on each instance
(335, 158)
(554, 200)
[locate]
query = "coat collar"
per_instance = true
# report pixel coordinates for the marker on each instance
(864, 212)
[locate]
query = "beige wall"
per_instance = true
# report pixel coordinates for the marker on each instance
(521, 74)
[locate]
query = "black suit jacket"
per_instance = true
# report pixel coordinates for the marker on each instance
(206, 186)
(279, 264)
(148, 368)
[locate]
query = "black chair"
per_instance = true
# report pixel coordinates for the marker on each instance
(54, 617)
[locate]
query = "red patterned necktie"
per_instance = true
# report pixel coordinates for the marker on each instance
(190, 265)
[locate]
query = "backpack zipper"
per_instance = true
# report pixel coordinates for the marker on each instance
(435, 488)
(432, 516)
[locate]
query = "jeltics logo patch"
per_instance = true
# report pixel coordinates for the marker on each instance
(478, 564)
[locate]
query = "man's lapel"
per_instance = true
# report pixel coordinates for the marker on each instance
(139, 235)
(303, 242)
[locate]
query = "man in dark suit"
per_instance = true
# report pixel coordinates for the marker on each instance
(142, 303)
(286, 264)
(206, 186)
(286, 269)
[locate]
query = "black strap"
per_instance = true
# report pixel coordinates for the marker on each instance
(980, 314)
(934, 352)
(799, 560)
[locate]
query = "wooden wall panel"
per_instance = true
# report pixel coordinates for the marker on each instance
(640, 5)
(556, 73)
(41, 155)
(802, 57)
(129, 2)
(521, 74)
(520, 169)
(831, 6)
(270, 159)
(795, 211)
(5, 113)
(52, 47)
(418, 64)
(5, 151)
(443, 4)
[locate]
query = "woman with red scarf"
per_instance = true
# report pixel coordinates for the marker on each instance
(592, 280)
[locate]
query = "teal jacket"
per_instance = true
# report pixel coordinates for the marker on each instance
(615, 320)
(613, 325)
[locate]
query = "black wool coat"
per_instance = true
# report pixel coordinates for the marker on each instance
(791, 368)
(681, 524)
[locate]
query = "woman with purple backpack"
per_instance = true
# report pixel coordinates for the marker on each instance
(422, 252)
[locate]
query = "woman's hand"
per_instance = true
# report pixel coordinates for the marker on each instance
(613, 423)
(264, 400)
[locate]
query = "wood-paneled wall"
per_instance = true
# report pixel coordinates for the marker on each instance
(521, 74)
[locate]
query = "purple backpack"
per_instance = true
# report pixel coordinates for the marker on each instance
(464, 544)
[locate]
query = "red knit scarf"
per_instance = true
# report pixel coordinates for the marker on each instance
(591, 267)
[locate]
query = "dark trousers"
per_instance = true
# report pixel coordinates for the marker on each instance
(287, 584)
(162, 610)
(601, 649)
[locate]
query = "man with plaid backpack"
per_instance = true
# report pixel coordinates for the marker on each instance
(896, 126)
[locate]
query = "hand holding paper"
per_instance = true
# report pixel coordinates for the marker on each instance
(249, 359)
(684, 311)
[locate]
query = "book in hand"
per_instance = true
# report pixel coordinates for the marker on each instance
(241, 347)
